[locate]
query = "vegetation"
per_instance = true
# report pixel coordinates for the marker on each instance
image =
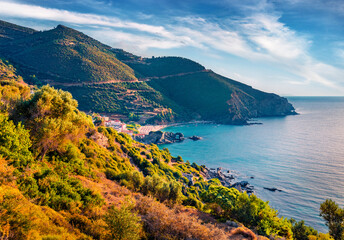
(133, 126)
(61, 177)
(127, 98)
(66, 55)
(12, 31)
(334, 217)
(164, 66)
(249, 210)
(206, 100)
(54, 160)
(154, 90)
(123, 224)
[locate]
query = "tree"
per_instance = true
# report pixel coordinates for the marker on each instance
(249, 210)
(334, 216)
(53, 119)
(123, 224)
(301, 231)
(14, 142)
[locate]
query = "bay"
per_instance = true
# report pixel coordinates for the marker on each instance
(302, 155)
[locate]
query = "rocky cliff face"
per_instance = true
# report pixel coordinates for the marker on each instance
(275, 105)
(160, 137)
(242, 107)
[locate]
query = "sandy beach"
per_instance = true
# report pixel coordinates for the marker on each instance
(148, 128)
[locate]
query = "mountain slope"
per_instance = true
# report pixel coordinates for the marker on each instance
(108, 80)
(61, 177)
(66, 55)
(210, 96)
(9, 31)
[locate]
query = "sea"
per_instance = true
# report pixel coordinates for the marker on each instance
(302, 155)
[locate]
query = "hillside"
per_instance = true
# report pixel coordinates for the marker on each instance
(9, 31)
(61, 177)
(112, 81)
(191, 90)
(66, 55)
(12, 87)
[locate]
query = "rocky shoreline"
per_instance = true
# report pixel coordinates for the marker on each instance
(160, 137)
(225, 176)
(227, 179)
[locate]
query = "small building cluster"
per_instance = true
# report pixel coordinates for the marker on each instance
(133, 129)
(117, 125)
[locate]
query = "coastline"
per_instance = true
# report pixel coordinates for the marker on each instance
(146, 129)
(149, 128)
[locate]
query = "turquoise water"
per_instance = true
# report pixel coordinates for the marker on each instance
(303, 155)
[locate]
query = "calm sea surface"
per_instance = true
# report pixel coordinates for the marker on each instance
(303, 155)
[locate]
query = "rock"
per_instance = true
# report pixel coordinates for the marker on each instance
(243, 183)
(160, 137)
(273, 189)
(195, 138)
(190, 178)
(232, 223)
(100, 139)
(229, 177)
(243, 107)
(243, 186)
(238, 187)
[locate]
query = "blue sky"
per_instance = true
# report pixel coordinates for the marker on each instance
(290, 47)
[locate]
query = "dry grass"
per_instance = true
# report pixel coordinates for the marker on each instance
(242, 232)
(163, 222)
(112, 192)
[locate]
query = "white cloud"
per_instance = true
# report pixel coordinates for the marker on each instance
(273, 36)
(259, 37)
(134, 41)
(19, 10)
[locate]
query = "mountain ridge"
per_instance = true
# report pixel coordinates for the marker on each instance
(112, 81)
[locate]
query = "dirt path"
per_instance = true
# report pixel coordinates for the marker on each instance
(52, 83)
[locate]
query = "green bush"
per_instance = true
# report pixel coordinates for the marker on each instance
(249, 210)
(123, 224)
(14, 142)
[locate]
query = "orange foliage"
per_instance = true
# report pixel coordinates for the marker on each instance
(162, 222)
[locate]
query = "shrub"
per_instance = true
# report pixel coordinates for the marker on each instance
(14, 142)
(249, 210)
(123, 224)
(334, 218)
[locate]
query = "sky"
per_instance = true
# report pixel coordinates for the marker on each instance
(289, 47)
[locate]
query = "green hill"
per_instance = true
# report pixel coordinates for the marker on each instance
(109, 80)
(9, 31)
(157, 66)
(66, 55)
(206, 95)
(61, 177)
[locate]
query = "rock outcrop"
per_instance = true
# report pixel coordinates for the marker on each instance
(160, 137)
(226, 179)
(272, 189)
(243, 107)
(195, 138)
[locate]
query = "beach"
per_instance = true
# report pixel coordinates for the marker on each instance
(149, 128)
